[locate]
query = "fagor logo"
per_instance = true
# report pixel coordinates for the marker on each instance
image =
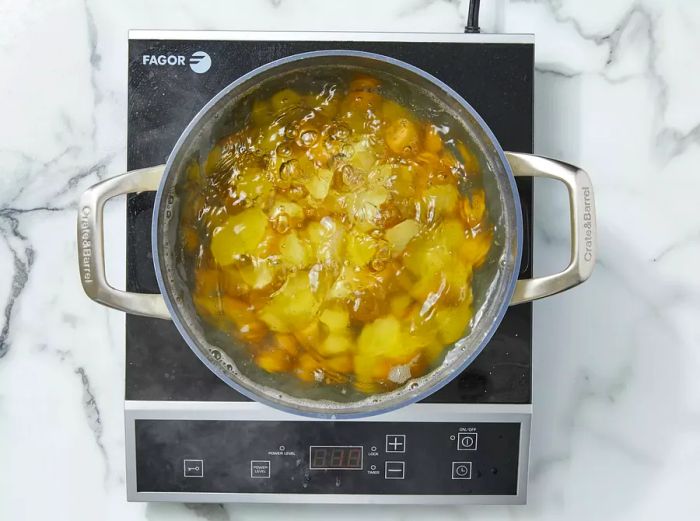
(199, 62)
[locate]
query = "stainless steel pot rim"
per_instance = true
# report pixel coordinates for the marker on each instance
(344, 411)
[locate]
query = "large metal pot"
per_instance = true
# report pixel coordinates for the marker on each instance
(496, 286)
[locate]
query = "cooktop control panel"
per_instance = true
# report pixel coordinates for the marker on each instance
(327, 457)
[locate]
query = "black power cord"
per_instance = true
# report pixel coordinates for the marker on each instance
(473, 17)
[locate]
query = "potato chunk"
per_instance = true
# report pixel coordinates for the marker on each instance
(240, 234)
(473, 208)
(291, 307)
(253, 183)
(400, 235)
(392, 111)
(452, 322)
(336, 344)
(402, 136)
(440, 200)
(423, 257)
(273, 361)
(319, 184)
(258, 273)
(450, 234)
(364, 206)
(286, 214)
(476, 247)
(432, 140)
(326, 238)
(381, 337)
(294, 251)
(361, 248)
(336, 319)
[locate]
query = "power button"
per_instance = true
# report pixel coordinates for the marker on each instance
(467, 440)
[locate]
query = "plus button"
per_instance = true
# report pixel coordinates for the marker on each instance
(396, 443)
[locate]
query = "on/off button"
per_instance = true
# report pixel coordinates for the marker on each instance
(467, 440)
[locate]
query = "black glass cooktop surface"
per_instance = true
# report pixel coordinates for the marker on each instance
(165, 92)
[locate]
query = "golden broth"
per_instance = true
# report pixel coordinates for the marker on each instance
(335, 236)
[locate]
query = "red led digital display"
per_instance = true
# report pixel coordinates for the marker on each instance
(335, 457)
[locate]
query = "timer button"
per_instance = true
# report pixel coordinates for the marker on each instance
(396, 443)
(461, 470)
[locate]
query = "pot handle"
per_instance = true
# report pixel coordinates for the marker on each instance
(583, 227)
(91, 243)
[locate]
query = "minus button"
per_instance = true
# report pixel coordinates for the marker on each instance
(395, 470)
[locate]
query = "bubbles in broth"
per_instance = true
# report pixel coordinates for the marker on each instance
(335, 233)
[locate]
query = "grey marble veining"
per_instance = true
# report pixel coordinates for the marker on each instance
(616, 432)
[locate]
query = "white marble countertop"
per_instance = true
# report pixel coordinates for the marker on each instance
(616, 432)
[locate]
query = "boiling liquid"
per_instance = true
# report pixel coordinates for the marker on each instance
(335, 235)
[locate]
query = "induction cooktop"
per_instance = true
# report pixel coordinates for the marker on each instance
(190, 437)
